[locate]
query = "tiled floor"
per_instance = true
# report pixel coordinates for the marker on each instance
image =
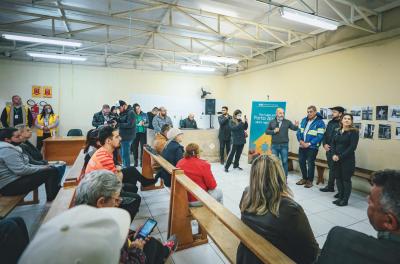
(322, 214)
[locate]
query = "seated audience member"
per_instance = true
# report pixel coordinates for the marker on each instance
(17, 176)
(82, 234)
(103, 159)
(102, 189)
(46, 125)
(344, 245)
(161, 119)
(34, 155)
(189, 122)
(268, 208)
(173, 152)
(91, 145)
(14, 238)
(158, 144)
(199, 171)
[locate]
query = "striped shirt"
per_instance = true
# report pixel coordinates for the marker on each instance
(101, 160)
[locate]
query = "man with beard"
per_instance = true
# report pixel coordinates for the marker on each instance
(331, 130)
(278, 128)
(16, 114)
(103, 118)
(161, 119)
(127, 131)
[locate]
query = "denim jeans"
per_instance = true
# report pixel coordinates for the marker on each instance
(125, 153)
(307, 158)
(281, 151)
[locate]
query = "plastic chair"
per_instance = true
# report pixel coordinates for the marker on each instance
(76, 132)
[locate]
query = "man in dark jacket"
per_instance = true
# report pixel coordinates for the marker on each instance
(151, 115)
(189, 122)
(238, 129)
(127, 131)
(224, 134)
(103, 117)
(349, 246)
(331, 130)
(278, 128)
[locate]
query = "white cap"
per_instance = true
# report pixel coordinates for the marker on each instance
(82, 234)
(173, 133)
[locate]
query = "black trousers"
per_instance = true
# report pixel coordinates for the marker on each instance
(344, 170)
(331, 179)
(14, 238)
(224, 144)
(155, 251)
(50, 177)
(130, 178)
(139, 141)
(130, 202)
(236, 152)
(39, 140)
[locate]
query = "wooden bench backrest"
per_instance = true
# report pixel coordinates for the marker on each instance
(163, 162)
(76, 170)
(62, 202)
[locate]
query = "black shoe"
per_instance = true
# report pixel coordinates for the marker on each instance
(136, 164)
(336, 195)
(222, 162)
(326, 189)
(337, 201)
(238, 168)
(342, 203)
(226, 170)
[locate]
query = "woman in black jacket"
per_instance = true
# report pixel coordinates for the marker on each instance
(268, 208)
(343, 148)
(238, 137)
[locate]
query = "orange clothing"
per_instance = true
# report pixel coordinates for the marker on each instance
(199, 171)
(101, 160)
(158, 144)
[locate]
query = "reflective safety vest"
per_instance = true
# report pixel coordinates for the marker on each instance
(8, 110)
(40, 121)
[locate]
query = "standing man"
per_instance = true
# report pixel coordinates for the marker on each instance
(151, 115)
(141, 124)
(16, 114)
(278, 128)
(224, 134)
(103, 118)
(161, 119)
(127, 131)
(310, 134)
(189, 122)
(331, 130)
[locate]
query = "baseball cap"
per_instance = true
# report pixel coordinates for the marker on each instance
(173, 133)
(82, 234)
(338, 108)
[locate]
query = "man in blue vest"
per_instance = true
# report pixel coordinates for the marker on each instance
(309, 135)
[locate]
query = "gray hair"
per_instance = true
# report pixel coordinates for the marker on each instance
(20, 127)
(97, 184)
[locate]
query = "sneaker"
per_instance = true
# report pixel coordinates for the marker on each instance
(301, 182)
(337, 195)
(337, 201)
(226, 170)
(309, 184)
(238, 168)
(342, 203)
(327, 189)
(172, 244)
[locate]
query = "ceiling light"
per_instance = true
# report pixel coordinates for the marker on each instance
(309, 19)
(56, 56)
(219, 59)
(42, 40)
(197, 68)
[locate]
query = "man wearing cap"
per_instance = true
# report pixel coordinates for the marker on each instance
(127, 131)
(331, 130)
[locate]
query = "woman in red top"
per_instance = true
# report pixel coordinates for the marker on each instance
(199, 171)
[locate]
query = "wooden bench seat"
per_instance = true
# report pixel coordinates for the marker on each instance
(321, 165)
(8, 203)
(147, 169)
(62, 202)
(75, 171)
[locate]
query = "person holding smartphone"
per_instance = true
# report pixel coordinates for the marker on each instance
(238, 134)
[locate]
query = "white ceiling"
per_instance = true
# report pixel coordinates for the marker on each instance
(164, 34)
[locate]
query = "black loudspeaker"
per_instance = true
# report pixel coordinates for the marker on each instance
(210, 106)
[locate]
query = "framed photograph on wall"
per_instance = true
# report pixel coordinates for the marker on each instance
(369, 130)
(366, 113)
(385, 132)
(397, 132)
(382, 112)
(394, 113)
(356, 112)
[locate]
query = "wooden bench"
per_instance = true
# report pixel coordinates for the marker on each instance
(71, 179)
(8, 203)
(225, 229)
(62, 202)
(321, 165)
(147, 169)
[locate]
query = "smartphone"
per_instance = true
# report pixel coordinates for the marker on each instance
(146, 229)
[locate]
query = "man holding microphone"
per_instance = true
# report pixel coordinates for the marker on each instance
(278, 128)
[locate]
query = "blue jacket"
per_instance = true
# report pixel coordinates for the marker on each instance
(172, 152)
(315, 134)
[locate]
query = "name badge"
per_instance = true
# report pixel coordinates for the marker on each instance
(16, 116)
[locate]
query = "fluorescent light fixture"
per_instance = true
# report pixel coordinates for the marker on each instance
(56, 56)
(42, 40)
(309, 19)
(219, 59)
(197, 68)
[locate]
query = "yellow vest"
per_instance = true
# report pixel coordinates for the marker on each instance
(8, 110)
(40, 121)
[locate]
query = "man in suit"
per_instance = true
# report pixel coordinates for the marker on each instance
(349, 246)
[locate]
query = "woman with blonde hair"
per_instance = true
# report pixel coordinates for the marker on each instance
(268, 208)
(199, 171)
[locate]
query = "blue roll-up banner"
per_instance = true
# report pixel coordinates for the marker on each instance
(261, 114)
